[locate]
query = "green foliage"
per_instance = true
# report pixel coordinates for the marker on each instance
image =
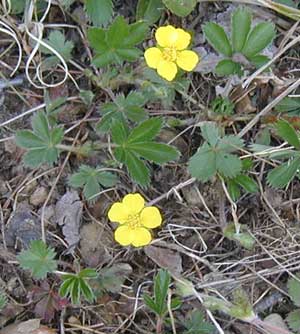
(75, 286)
(293, 320)
(223, 106)
(132, 146)
(215, 155)
(41, 141)
(117, 43)
(66, 3)
(158, 303)
(294, 289)
(57, 41)
(3, 300)
(149, 10)
(92, 180)
(180, 7)
(243, 237)
(17, 6)
(245, 44)
(99, 12)
(196, 324)
(241, 181)
(288, 133)
(290, 105)
(123, 108)
(39, 259)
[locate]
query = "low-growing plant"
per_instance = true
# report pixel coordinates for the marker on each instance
(293, 318)
(244, 48)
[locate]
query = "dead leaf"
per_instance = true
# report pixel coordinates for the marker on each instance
(24, 227)
(243, 104)
(68, 212)
(28, 327)
(165, 258)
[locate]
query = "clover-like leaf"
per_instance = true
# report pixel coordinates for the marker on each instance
(40, 142)
(117, 43)
(75, 286)
(92, 180)
(139, 144)
(39, 259)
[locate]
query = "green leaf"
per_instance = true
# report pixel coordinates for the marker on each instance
(137, 169)
(117, 43)
(247, 183)
(240, 27)
(259, 38)
(161, 285)
(3, 300)
(57, 41)
(259, 60)
(92, 180)
(233, 189)
(150, 303)
(294, 289)
(41, 142)
(146, 130)
(119, 132)
(243, 237)
(217, 38)
(39, 259)
(149, 10)
(180, 7)
(280, 176)
(287, 133)
(99, 12)
(156, 152)
(228, 165)
(228, 67)
(195, 324)
(293, 320)
(210, 132)
(290, 105)
(76, 286)
(129, 107)
(230, 143)
(202, 165)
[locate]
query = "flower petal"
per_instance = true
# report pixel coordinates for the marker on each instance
(167, 70)
(187, 60)
(124, 235)
(182, 40)
(141, 237)
(118, 213)
(153, 56)
(134, 203)
(166, 36)
(151, 217)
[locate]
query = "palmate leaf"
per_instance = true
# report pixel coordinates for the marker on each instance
(138, 144)
(39, 259)
(99, 12)
(92, 180)
(217, 38)
(75, 286)
(129, 107)
(40, 142)
(240, 28)
(117, 43)
(214, 156)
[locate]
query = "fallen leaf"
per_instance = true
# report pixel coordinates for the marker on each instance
(68, 212)
(165, 258)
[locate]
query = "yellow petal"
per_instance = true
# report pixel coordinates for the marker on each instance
(187, 60)
(118, 213)
(151, 217)
(124, 235)
(134, 203)
(141, 237)
(166, 36)
(153, 56)
(183, 39)
(167, 70)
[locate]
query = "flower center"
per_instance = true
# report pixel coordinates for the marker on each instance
(133, 221)
(169, 54)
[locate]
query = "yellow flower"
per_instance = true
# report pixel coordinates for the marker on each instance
(135, 220)
(170, 52)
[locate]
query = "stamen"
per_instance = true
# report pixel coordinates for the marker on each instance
(169, 54)
(133, 221)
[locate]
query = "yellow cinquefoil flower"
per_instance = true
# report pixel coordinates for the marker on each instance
(135, 220)
(170, 52)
